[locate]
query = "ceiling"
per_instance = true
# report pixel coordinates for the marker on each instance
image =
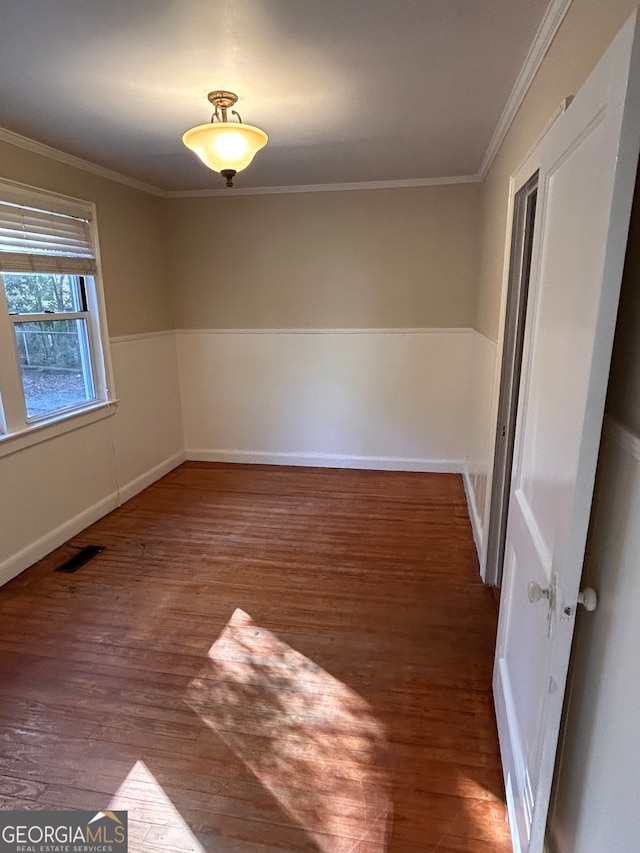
(348, 90)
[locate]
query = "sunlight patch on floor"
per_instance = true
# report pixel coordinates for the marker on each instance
(472, 789)
(484, 810)
(310, 740)
(144, 798)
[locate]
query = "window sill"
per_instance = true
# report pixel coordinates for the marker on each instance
(52, 428)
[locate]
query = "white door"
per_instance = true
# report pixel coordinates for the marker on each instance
(587, 164)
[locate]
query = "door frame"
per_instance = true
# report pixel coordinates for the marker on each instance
(527, 167)
(553, 555)
(509, 383)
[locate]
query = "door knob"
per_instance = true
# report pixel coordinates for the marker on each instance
(536, 593)
(588, 598)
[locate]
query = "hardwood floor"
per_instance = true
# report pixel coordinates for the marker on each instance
(263, 659)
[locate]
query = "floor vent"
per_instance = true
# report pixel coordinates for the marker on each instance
(83, 556)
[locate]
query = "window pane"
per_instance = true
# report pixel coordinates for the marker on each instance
(37, 293)
(55, 365)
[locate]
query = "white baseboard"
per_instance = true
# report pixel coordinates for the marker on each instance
(17, 563)
(133, 487)
(328, 460)
(35, 551)
(476, 521)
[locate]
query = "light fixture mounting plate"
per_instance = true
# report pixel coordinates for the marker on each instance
(222, 99)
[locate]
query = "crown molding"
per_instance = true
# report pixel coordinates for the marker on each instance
(549, 26)
(321, 188)
(77, 162)
(86, 165)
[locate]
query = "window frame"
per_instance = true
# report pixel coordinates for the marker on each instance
(17, 429)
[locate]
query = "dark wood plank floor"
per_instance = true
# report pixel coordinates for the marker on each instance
(263, 659)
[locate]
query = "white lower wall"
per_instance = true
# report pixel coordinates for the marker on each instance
(52, 490)
(595, 805)
(482, 391)
(348, 398)
(147, 430)
(395, 399)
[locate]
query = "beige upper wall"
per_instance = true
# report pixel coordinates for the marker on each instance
(132, 238)
(584, 35)
(367, 259)
(361, 259)
(376, 258)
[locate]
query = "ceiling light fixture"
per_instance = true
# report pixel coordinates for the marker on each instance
(225, 146)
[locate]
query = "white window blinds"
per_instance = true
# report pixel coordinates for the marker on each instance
(33, 240)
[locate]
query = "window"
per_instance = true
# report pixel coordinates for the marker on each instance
(53, 363)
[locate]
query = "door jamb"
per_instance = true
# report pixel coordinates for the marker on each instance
(509, 375)
(521, 174)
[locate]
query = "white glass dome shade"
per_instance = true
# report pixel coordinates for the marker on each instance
(225, 144)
